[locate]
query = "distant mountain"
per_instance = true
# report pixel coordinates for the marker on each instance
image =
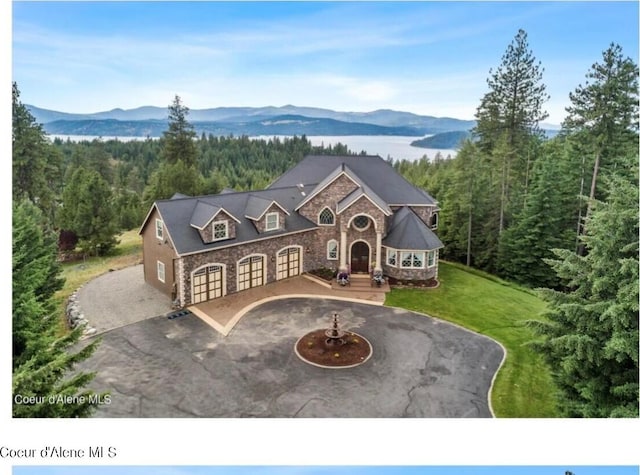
(285, 120)
(449, 140)
(278, 125)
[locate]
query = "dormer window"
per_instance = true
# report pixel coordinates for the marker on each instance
(326, 217)
(220, 230)
(272, 221)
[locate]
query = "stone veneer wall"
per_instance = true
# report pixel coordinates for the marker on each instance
(409, 274)
(424, 213)
(261, 225)
(330, 196)
(231, 255)
(207, 233)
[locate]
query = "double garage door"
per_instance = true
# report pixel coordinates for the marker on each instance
(288, 263)
(208, 281)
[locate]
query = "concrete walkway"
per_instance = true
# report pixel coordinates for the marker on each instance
(122, 297)
(224, 313)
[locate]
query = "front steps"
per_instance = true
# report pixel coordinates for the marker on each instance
(361, 283)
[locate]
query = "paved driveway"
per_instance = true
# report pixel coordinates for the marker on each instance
(119, 298)
(421, 367)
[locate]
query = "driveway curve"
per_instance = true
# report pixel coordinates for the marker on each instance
(421, 367)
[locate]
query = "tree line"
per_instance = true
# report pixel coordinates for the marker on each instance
(69, 195)
(558, 214)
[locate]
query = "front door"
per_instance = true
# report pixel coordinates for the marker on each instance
(360, 257)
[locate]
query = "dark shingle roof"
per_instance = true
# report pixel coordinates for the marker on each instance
(177, 216)
(202, 214)
(409, 232)
(256, 206)
(376, 173)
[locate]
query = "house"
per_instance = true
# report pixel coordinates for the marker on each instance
(338, 212)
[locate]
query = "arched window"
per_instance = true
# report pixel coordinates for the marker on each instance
(326, 217)
(332, 250)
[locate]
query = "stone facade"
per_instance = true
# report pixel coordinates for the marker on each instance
(261, 224)
(207, 233)
(329, 197)
(312, 243)
(397, 272)
(425, 213)
(230, 256)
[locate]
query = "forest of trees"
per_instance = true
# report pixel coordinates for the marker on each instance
(558, 214)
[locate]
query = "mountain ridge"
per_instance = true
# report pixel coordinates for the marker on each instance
(244, 120)
(146, 121)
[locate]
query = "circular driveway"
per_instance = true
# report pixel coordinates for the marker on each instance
(421, 367)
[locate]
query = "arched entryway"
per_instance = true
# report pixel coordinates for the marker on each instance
(360, 252)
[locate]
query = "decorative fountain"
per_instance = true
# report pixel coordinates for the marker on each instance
(333, 347)
(334, 334)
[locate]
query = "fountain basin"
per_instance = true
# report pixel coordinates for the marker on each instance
(316, 349)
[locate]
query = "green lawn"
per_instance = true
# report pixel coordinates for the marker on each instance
(498, 309)
(127, 253)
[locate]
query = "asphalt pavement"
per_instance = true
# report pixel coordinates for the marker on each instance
(421, 367)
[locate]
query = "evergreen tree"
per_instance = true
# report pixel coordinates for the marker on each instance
(591, 336)
(464, 205)
(179, 140)
(603, 116)
(545, 223)
(172, 178)
(35, 166)
(507, 121)
(88, 211)
(42, 363)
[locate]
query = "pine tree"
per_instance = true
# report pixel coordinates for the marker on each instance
(179, 140)
(88, 211)
(507, 122)
(42, 363)
(466, 205)
(591, 336)
(177, 173)
(603, 117)
(545, 223)
(35, 166)
(169, 179)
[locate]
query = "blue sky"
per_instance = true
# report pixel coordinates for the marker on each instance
(425, 57)
(334, 470)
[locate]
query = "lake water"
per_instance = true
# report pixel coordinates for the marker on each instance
(396, 147)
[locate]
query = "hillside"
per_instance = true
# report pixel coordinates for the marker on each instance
(450, 140)
(285, 120)
(278, 125)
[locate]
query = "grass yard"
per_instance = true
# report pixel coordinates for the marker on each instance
(498, 309)
(127, 253)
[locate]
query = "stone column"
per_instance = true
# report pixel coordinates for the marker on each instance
(343, 250)
(378, 251)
